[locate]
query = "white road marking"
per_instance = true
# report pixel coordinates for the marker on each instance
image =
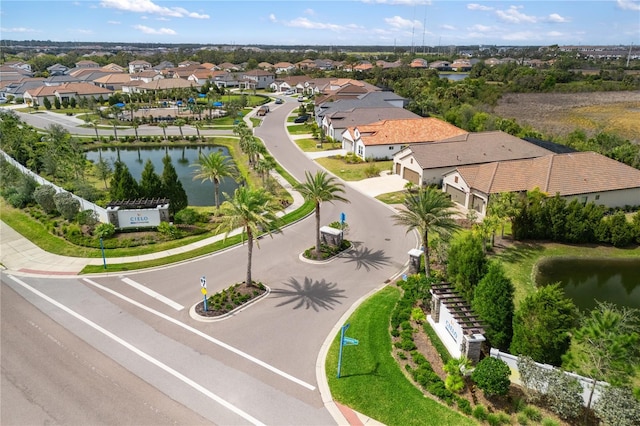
(152, 293)
(204, 336)
(141, 354)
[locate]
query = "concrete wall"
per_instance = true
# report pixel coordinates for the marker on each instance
(586, 383)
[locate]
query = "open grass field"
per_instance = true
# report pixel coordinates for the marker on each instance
(558, 114)
(347, 171)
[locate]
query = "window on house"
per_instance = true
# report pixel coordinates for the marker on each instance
(411, 161)
(391, 148)
(597, 197)
(455, 179)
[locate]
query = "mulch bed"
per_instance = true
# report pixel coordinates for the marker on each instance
(247, 293)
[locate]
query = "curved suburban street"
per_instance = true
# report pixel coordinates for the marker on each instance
(123, 347)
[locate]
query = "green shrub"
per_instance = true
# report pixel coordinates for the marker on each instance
(532, 413)
(522, 419)
(549, 422)
(464, 406)
(187, 216)
(492, 376)
(418, 315)
(480, 412)
(165, 228)
(104, 230)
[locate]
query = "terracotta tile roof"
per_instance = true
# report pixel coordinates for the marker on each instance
(474, 148)
(412, 130)
(166, 83)
(564, 174)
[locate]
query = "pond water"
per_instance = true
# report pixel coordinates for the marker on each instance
(586, 280)
(199, 193)
(456, 76)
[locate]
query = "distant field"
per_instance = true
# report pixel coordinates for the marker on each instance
(561, 113)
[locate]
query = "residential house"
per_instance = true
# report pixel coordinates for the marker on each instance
(18, 87)
(57, 69)
(296, 83)
(229, 67)
(258, 79)
(24, 66)
(363, 66)
(139, 65)
(200, 76)
(440, 65)
(344, 88)
(461, 65)
(87, 64)
(386, 65)
(265, 66)
(184, 64)
(158, 85)
(335, 117)
(163, 66)
(146, 76)
(113, 81)
(112, 68)
(385, 138)
(583, 176)
(425, 164)
(334, 124)
(66, 91)
(419, 63)
(283, 67)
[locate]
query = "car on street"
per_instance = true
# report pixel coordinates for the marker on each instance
(290, 92)
(301, 119)
(279, 101)
(300, 98)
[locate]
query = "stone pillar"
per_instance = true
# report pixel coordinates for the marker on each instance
(163, 209)
(435, 308)
(112, 216)
(414, 260)
(473, 345)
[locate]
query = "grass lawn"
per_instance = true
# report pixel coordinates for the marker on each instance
(352, 172)
(310, 145)
(393, 197)
(372, 382)
(299, 129)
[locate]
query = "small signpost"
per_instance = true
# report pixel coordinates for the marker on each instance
(343, 217)
(344, 341)
(203, 290)
(104, 259)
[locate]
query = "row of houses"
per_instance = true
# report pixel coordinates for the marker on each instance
(470, 167)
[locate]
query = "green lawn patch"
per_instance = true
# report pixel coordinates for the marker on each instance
(299, 129)
(352, 172)
(372, 381)
(393, 197)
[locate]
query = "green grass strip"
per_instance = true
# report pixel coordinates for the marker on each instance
(372, 381)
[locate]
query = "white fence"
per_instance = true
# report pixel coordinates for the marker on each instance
(84, 204)
(586, 383)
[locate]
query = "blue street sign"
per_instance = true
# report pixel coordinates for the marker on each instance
(343, 217)
(344, 341)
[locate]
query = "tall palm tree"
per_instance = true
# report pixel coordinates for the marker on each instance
(428, 210)
(198, 125)
(252, 210)
(180, 122)
(214, 167)
(318, 188)
(163, 126)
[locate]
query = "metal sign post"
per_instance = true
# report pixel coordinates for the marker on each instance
(344, 341)
(203, 290)
(104, 259)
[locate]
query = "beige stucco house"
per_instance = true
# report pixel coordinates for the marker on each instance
(585, 176)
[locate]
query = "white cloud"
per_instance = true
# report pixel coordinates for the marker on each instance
(147, 6)
(629, 5)
(521, 36)
(149, 30)
(447, 27)
(476, 6)
(18, 30)
(555, 34)
(514, 16)
(114, 22)
(82, 31)
(402, 23)
(554, 17)
(312, 25)
(479, 28)
(272, 17)
(309, 12)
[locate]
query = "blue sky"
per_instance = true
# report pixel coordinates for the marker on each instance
(328, 22)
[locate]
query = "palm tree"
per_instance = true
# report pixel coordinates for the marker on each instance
(318, 188)
(180, 122)
(163, 126)
(95, 124)
(214, 167)
(252, 210)
(135, 124)
(428, 210)
(198, 125)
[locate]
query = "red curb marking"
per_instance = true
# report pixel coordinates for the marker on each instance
(349, 414)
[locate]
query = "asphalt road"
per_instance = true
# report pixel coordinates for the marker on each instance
(258, 366)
